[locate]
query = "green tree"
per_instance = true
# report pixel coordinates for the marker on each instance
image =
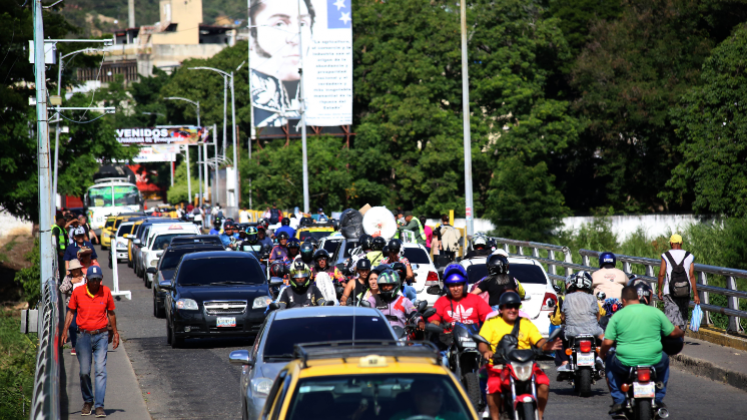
(712, 123)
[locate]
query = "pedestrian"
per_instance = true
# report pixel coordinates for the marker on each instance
(428, 233)
(677, 281)
(71, 224)
(72, 281)
(94, 307)
(448, 238)
(90, 234)
(59, 235)
(414, 225)
(71, 253)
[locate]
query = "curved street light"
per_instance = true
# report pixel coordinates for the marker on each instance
(189, 180)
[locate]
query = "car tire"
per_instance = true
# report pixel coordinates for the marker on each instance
(158, 311)
(244, 415)
(176, 341)
(168, 333)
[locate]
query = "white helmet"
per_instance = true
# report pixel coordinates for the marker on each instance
(480, 240)
(500, 251)
(578, 281)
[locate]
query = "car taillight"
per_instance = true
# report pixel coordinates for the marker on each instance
(584, 346)
(432, 279)
(549, 302)
(644, 374)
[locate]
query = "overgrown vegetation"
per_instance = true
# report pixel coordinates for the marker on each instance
(17, 365)
(29, 278)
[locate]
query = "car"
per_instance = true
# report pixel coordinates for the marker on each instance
(363, 380)
(273, 347)
(316, 231)
(214, 294)
(164, 272)
(196, 239)
(158, 239)
(427, 284)
(139, 241)
(534, 279)
(107, 231)
(120, 240)
(339, 248)
(133, 235)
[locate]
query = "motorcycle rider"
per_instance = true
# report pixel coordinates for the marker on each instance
(457, 305)
(216, 226)
(498, 281)
(608, 279)
(280, 251)
(580, 312)
(357, 288)
(389, 301)
(227, 238)
(376, 254)
(493, 330)
(262, 235)
(321, 265)
(480, 247)
(407, 289)
(394, 247)
(286, 227)
(307, 253)
(636, 331)
(302, 292)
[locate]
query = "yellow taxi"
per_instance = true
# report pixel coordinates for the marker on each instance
(129, 242)
(106, 232)
(316, 231)
(336, 381)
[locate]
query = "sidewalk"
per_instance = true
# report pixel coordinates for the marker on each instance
(124, 399)
(719, 363)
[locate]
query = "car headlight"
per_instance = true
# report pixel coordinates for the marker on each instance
(187, 304)
(261, 386)
(260, 302)
(523, 371)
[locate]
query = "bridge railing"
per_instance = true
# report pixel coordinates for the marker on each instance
(556, 263)
(45, 400)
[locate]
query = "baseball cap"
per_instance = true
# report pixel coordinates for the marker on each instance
(84, 250)
(675, 239)
(80, 230)
(363, 264)
(94, 272)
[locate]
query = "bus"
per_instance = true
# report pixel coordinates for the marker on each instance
(110, 197)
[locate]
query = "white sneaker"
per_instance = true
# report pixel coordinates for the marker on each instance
(564, 368)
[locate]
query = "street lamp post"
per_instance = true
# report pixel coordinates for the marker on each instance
(467, 140)
(189, 180)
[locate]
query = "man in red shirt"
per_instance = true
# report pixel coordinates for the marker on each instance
(458, 305)
(94, 307)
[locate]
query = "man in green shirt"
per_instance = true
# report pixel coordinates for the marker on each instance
(637, 329)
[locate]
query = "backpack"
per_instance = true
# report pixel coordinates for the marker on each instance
(274, 216)
(679, 281)
(507, 343)
(450, 238)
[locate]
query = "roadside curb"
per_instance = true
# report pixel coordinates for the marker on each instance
(720, 337)
(704, 368)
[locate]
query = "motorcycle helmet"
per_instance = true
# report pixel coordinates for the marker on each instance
(293, 243)
(321, 253)
(278, 269)
(335, 224)
(497, 265)
(366, 242)
(378, 243)
(395, 246)
(388, 277)
(492, 244)
(285, 222)
(314, 243)
(672, 346)
(607, 258)
(307, 251)
(251, 235)
(644, 291)
(454, 278)
(363, 264)
(265, 252)
(480, 242)
(612, 305)
(509, 298)
(400, 269)
(283, 235)
(454, 268)
(578, 281)
(300, 276)
(217, 222)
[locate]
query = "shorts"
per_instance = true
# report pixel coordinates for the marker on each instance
(496, 377)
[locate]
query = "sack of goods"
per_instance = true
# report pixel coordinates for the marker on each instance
(351, 224)
(379, 221)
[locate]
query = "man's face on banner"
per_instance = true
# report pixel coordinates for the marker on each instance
(276, 50)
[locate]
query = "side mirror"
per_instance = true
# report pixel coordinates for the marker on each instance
(365, 304)
(165, 285)
(433, 290)
(555, 334)
(152, 270)
(240, 357)
(429, 313)
(276, 281)
(136, 241)
(433, 328)
(273, 306)
(415, 266)
(422, 306)
(480, 339)
(399, 332)
(126, 235)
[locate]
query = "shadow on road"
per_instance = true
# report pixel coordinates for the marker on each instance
(195, 343)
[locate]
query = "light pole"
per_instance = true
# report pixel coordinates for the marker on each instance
(302, 106)
(233, 120)
(467, 140)
(189, 180)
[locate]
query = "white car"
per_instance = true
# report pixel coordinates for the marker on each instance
(426, 275)
(534, 279)
(158, 240)
(121, 242)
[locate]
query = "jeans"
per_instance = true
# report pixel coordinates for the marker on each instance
(93, 348)
(410, 293)
(72, 331)
(617, 373)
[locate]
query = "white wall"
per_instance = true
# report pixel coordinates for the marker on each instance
(12, 226)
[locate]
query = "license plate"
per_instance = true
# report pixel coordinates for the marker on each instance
(469, 344)
(226, 322)
(585, 359)
(643, 390)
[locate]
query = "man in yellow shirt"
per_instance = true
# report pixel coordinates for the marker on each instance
(493, 330)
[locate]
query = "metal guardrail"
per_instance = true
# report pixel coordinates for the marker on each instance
(45, 400)
(651, 265)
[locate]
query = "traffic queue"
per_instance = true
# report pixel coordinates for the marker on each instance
(363, 318)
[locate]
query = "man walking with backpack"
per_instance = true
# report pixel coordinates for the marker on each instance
(678, 269)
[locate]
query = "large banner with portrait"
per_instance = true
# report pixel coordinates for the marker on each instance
(274, 56)
(161, 144)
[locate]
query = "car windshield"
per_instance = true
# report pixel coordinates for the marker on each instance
(163, 241)
(171, 258)
(221, 271)
(316, 235)
(100, 196)
(188, 239)
(417, 256)
(125, 195)
(109, 223)
(124, 229)
(525, 273)
(331, 246)
(395, 396)
(285, 333)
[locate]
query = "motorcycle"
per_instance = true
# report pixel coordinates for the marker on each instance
(519, 392)
(640, 390)
(583, 369)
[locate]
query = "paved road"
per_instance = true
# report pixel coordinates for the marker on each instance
(197, 382)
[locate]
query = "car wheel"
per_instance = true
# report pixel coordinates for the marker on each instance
(176, 341)
(148, 283)
(129, 263)
(168, 333)
(244, 415)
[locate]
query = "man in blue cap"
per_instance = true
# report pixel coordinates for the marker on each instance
(94, 306)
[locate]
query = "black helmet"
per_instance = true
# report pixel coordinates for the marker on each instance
(321, 253)
(497, 265)
(307, 251)
(311, 240)
(672, 346)
(293, 243)
(395, 245)
(363, 264)
(366, 242)
(285, 222)
(278, 269)
(217, 222)
(401, 269)
(509, 298)
(644, 291)
(283, 235)
(335, 224)
(378, 243)
(265, 252)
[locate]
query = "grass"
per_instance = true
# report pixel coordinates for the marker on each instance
(17, 364)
